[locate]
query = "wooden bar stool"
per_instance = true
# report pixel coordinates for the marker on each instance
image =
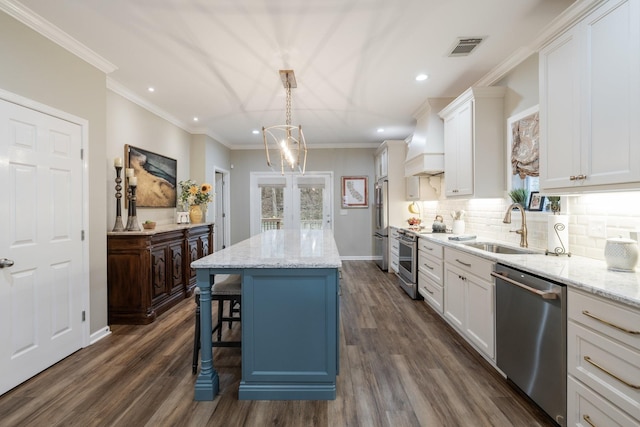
(226, 287)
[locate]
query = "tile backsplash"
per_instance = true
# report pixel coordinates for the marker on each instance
(603, 215)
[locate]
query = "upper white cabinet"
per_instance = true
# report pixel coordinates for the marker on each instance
(590, 102)
(474, 143)
(382, 162)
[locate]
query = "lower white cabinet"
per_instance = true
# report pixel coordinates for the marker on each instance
(394, 250)
(603, 362)
(430, 273)
(469, 299)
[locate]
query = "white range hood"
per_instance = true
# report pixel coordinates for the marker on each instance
(425, 150)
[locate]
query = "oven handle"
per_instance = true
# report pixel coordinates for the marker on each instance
(543, 294)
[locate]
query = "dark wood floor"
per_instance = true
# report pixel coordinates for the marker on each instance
(400, 365)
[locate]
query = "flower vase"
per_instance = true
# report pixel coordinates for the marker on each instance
(196, 215)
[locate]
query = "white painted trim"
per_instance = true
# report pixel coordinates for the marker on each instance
(226, 199)
(84, 124)
(358, 258)
(99, 334)
(37, 23)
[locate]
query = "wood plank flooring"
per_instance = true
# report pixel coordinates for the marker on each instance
(400, 365)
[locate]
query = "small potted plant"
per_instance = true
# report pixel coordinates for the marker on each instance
(149, 225)
(519, 195)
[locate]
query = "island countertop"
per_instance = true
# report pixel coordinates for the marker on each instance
(277, 249)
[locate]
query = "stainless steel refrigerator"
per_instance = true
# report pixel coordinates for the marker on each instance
(381, 226)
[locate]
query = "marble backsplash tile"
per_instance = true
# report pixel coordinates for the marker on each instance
(619, 211)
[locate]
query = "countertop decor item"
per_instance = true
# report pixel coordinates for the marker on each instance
(438, 225)
(149, 225)
(621, 254)
(458, 222)
(118, 226)
(558, 235)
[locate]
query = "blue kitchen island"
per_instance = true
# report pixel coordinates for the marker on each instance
(290, 309)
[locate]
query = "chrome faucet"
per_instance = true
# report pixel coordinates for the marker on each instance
(523, 231)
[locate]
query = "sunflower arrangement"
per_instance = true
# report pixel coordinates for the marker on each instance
(194, 194)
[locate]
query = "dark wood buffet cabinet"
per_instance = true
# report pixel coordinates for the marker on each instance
(148, 272)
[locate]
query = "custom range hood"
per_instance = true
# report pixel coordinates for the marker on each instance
(425, 148)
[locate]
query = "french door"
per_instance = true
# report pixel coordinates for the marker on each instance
(291, 201)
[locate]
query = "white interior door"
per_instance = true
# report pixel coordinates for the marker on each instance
(291, 201)
(41, 293)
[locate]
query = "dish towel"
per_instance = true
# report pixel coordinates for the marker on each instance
(463, 237)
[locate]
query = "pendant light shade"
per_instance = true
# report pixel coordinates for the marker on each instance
(287, 139)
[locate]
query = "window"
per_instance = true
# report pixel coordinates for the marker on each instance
(291, 201)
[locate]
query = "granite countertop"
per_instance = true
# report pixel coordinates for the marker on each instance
(158, 229)
(278, 249)
(588, 274)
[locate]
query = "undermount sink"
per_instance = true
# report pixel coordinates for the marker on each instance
(498, 248)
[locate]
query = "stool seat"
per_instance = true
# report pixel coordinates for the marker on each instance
(226, 287)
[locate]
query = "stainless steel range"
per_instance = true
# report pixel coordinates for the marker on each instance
(408, 263)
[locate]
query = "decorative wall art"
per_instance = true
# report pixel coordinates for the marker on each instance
(354, 192)
(156, 177)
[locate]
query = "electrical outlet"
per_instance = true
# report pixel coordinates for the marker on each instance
(597, 228)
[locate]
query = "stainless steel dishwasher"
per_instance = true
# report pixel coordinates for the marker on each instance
(531, 337)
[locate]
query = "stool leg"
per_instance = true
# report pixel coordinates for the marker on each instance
(196, 337)
(220, 314)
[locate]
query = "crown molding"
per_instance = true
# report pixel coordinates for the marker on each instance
(34, 21)
(558, 25)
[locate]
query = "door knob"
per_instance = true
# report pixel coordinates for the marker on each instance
(5, 263)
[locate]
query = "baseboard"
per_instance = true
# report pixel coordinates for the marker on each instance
(358, 258)
(99, 334)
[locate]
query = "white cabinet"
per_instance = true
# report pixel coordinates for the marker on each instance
(590, 102)
(381, 161)
(603, 361)
(469, 299)
(474, 143)
(394, 249)
(422, 188)
(430, 273)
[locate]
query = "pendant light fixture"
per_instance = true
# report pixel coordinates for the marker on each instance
(287, 139)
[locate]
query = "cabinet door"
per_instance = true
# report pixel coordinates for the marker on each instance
(479, 321)
(176, 268)
(413, 187)
(458, 156)
(610, 124)
(560, 111)
(454, 296)
(159, 286)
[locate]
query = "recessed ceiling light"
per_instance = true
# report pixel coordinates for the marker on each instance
(195, 119)
(380, 130)
(421, 77)
(255, 131)
(151, 89)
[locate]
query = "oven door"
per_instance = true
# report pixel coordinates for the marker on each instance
(407, 266)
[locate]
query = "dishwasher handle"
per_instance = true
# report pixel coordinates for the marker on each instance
(543, 294)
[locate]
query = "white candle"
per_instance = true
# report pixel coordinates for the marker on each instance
(133, 181)
(117, 162)
(129, 172)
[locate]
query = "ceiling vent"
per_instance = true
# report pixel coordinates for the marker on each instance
(465, 45)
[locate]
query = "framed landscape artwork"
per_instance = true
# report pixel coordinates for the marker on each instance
(354, 192)
(156, 177)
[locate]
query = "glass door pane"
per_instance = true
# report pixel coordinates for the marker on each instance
(272, 207)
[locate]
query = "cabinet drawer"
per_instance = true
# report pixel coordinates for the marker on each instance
(395, 246)
(430, 266)
(479, 266)
(608, 367)
(432, 292)
(394, 263)
(607, 317)
(427, 246)
(394, 233)
(585, 407)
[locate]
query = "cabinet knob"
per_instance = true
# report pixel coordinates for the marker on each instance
(572, 178)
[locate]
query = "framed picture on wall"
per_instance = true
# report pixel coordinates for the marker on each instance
(156, 175)
(354, 192)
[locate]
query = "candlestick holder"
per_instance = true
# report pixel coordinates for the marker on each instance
(118, 225)
(132, 220)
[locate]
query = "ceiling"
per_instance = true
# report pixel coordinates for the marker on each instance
(355, 61)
